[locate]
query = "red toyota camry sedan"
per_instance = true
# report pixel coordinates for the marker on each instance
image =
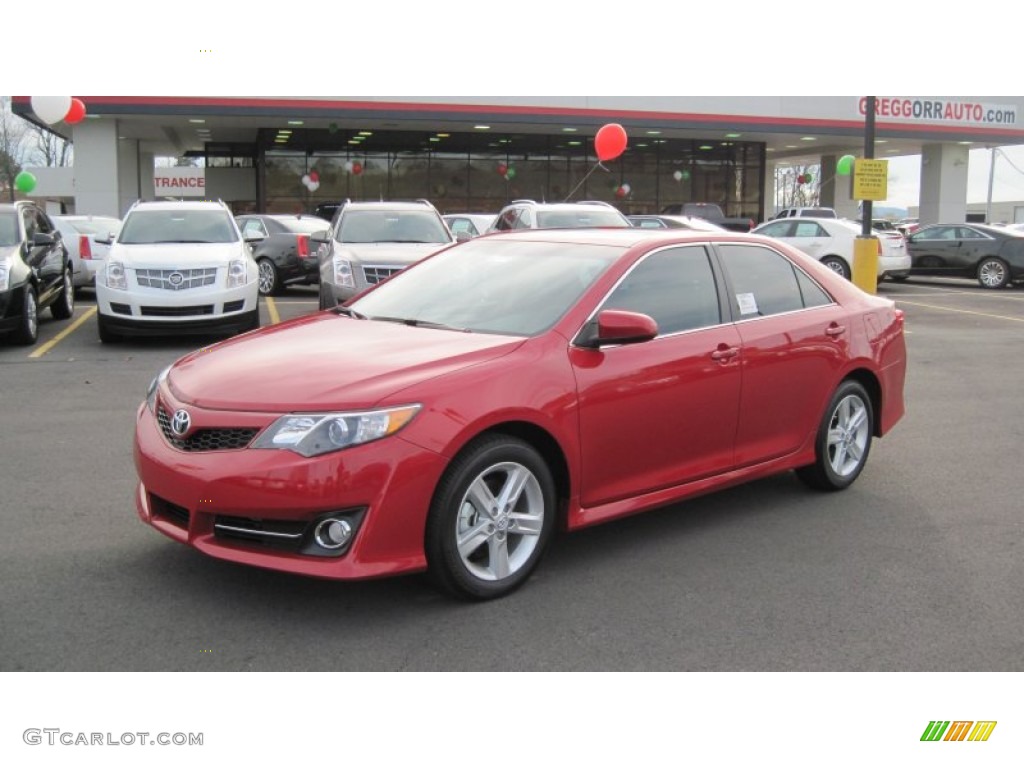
(449, 418)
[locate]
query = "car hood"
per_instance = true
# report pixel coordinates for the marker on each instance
(174, 255)
(8, 250)
(387, 253)
(325, 361)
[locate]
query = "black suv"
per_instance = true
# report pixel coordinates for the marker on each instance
(35, 272)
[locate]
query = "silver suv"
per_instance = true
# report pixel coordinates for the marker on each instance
(527, 214)
(369, 242)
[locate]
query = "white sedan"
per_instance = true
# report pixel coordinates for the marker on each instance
(831, 242)
(87, 239)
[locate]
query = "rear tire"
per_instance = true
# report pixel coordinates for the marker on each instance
(28, 326)
(993, 273)
(325, 302)
(269, 279)
(64, 306)
(843, 441)
(837, 265)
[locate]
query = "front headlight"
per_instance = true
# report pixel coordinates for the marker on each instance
(311, 434)
(154, 385)
(343, 273)
(236, 274)
(116, 275)
(5, 275)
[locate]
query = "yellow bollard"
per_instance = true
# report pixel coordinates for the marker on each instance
(865, 263)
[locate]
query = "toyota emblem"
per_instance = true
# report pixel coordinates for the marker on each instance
(180, 422)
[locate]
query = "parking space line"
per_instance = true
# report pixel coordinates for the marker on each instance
(272, 311)
(961, 311)
(39, 352)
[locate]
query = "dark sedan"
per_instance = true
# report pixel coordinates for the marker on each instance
(34, 271)
(280, 245)
(992, 255)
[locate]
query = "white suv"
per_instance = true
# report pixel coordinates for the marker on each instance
(177, 267)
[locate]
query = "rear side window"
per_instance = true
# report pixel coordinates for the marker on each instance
(763, 281)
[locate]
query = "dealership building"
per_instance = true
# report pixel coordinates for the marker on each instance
(287, 154)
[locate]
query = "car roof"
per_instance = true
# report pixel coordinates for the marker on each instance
(179, 205)
(396, 205)
(619, 236)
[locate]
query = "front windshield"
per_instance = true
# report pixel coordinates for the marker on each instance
(146, 227)
(8, 229)
(491, 285)
(392, 227)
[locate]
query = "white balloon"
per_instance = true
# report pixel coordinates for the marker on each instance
(51, 109)
(305, 180)
(314, 186)
(678, 175)
(348, 166)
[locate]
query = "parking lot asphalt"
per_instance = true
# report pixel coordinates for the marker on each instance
(918, 566)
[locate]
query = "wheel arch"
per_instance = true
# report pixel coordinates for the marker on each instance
(546, 445)
(869, 381)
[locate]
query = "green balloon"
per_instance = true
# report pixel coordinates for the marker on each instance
(686, 175)
(845, 165)
(25, 182)
(510, 174)
(808, 178)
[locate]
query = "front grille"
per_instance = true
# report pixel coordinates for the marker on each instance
(121, 309)
(234, 306)
(375, 274)
(276, 534)
(168, 511)
(203, 309)
(219, 439)
(175, 279)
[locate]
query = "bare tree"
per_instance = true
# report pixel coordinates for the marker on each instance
(50, 149)
(12, 142)
(790, 192)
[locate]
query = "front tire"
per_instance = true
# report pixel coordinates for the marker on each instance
(843, 441)
(993, 273)
(491, 517)
(837, 265)
(28, 327)
(64, 306)
(326, 299)
(106, 335)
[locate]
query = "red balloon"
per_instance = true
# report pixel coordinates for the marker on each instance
(357, 168)
(502, 169)
(314, 176)
(620, 192)
(77, 112)
(610, 141)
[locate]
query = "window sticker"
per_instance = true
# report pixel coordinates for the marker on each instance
(747, 302)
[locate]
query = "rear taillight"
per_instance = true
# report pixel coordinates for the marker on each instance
(303, 246)
(84, 247)
(878, 242)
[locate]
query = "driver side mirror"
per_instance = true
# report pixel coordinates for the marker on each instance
(107, 239)
(321, 236)
(617, 326)
(43, 238)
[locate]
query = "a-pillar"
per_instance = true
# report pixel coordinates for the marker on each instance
(835, 190)
(96, 168)
(943, 184)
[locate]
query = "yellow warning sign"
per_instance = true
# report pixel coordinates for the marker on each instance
(870, 179)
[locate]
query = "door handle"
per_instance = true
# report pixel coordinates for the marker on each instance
(724, 353)
(835, 330)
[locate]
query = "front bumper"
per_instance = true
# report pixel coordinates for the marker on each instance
(385, 485)
(154, 311)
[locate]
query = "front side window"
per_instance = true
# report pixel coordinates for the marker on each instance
(253, 228)
(763, 281)
(809, 229)
(31, 226)
(674, 286)
(776, 229)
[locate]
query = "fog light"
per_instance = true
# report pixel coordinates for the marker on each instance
(333, 533)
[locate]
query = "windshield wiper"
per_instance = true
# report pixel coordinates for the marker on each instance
(349, 312)
(411, 321)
